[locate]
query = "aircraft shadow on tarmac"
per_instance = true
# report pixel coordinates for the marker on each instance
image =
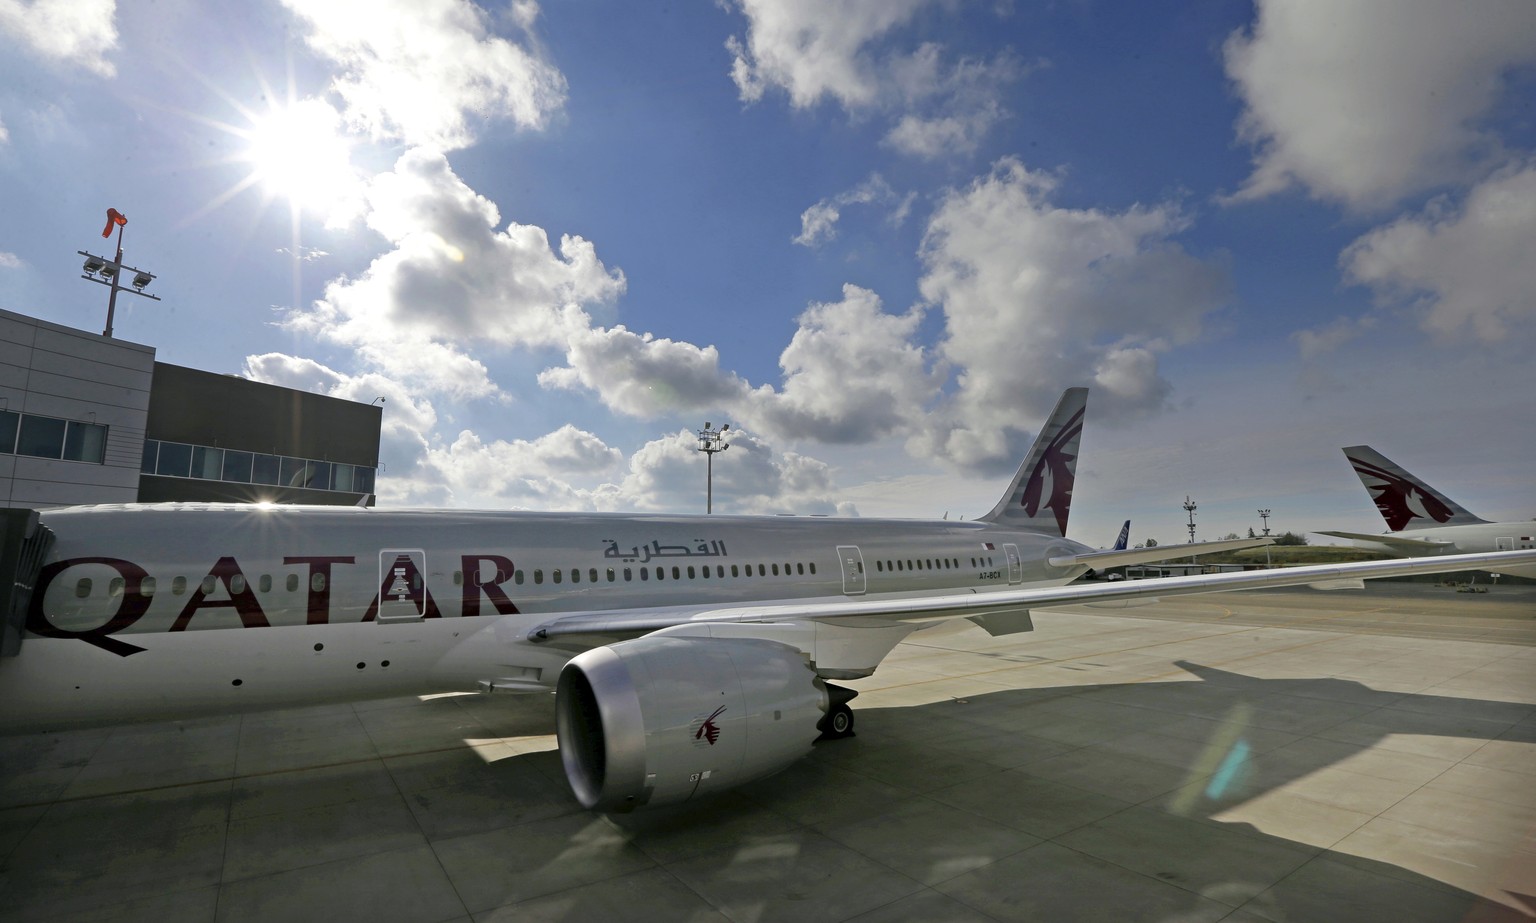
(1137, 778)
(1180, 800)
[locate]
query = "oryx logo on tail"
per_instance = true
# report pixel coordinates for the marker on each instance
(1404, 501)
(1040, 497)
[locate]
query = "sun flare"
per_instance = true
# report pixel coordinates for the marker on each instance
(301, 153)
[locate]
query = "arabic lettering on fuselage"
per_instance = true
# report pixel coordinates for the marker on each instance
(695, 548)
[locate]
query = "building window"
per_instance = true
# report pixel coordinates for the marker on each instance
(9, 422)
(175, 460)
(41, 437)
(237, 467)
(264, 469)
(207, 464)
(151, 455)
(51, 437)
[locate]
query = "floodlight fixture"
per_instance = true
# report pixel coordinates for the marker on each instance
(94, 264)
(141, 279)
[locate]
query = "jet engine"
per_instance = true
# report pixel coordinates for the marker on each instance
(658, 720)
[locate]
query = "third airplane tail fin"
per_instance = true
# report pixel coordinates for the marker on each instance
(1040, 495)
(1405, 501)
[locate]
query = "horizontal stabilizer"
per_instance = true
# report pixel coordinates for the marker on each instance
(1098, 560)
(1345, 584)
(1008, 622)
(1397, 542)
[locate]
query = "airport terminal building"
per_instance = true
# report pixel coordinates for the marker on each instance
(86, 418)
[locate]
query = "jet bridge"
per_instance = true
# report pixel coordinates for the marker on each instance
(24, 545)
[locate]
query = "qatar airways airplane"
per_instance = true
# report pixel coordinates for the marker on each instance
(688, 654)
(1424, 521)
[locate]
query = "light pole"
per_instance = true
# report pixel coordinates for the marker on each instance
(107, 272)
(1189, 507)
(710, 442)
(1264, 515)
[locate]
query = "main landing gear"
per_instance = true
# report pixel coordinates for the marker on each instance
(838, 722)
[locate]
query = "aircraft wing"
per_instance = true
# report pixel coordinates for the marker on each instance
(1098, 560)
(635, 622)
(1405, 545)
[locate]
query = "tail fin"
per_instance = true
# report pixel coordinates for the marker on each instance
(1124, 538)
(1405, 501)
(1044, 481)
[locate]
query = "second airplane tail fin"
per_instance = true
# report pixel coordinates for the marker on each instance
(1040, 495)
(1404, 501)
(1124, 537)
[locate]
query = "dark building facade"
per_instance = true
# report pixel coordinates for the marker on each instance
(221, 438)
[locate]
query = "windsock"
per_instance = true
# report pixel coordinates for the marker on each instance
(114, 217)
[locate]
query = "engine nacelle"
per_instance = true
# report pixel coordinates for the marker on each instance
(658, 720)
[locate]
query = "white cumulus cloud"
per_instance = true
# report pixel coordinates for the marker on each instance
(425, 71)
(73, 32)
(1368, 101)
(452, 280)
(1466, 268)
(1037, 297)
(853, 53)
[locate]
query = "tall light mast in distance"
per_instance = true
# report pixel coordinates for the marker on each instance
(711, 441)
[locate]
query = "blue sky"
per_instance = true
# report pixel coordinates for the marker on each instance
(879, 237)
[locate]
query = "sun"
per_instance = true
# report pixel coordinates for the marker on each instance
(301, 153)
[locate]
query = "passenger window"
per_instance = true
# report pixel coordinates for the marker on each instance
(555, 575)
(209, 585)
(775, 570)
(762, 571)
(517, 576)
(292, 583)
(733, 571)
(237, 583)
(645, 573)
(677, 573)
(628, 575)
(82, 587)
(661, 573)
(575, 575)
(178, 586)
(316, 582)
(592, 575)
(458, 578)
(690, 572)
(899, 567)
(720, 570)
(878, 567)
(115, 588)
(800, 569)
(147, 586)
(813, 567)
(266, 583)
(538, 575)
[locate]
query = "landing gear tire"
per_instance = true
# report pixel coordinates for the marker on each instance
(839, 723)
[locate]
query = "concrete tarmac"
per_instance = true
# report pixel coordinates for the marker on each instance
(1283, 756)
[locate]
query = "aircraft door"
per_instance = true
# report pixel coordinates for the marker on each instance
(1504, 544)
(402, 591)
(852, 561)
(1015, 569)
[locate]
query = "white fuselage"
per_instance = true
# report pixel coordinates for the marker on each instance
(150, 612)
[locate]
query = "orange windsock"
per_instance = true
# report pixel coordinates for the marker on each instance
(113, 217)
